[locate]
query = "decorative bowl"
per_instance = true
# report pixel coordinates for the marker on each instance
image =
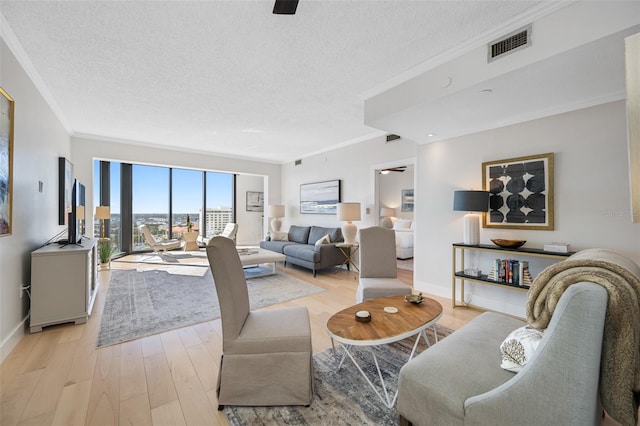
(414, 298)
(363, 316)
(508, 243)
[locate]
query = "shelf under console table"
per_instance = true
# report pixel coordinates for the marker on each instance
(458, 268)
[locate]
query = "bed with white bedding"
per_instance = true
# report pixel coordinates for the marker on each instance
(404, 238)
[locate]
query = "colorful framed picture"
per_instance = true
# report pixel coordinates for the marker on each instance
(407, 200)
(320, 197)
(6, 162)
(521, 192)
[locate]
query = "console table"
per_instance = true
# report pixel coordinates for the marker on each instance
(458, 269)
(63, 283)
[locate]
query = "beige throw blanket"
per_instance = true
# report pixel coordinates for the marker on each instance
(620, 363)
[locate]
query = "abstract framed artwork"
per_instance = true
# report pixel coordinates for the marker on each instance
(320, 197)
(407, 200)
(65, 186)
(255, 201)
(6, 162)
(521, 192)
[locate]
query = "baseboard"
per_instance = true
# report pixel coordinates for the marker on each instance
(12, 340)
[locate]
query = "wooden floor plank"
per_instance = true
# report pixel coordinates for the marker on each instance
(59, 376)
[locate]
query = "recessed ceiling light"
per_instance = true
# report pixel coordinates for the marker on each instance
(430, 135)
(487, 91)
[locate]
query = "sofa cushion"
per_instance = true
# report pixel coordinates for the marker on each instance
(299, 234)
(302, 251)
(277, 246)
(317, 232)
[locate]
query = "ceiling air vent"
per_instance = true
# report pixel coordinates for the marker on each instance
(510, 43)
(392, 138)
(298, 162)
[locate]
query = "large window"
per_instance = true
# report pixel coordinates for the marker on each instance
(219, 210)
(160, 198)
(150, 203)
(186, 200)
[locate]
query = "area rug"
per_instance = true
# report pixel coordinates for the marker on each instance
(140, 304)
(341, 397)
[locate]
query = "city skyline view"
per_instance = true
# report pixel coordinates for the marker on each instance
(151, 189)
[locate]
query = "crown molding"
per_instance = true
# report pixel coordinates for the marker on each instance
(18, 51)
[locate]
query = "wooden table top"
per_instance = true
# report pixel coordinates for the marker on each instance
(384, 327)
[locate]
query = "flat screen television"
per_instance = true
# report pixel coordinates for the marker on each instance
(74, 231)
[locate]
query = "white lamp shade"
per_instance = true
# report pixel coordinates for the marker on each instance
(103, 212)
(387, 212)
(348, 211)
(276, 210)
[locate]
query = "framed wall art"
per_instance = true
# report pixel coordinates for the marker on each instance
(65, 186)
(6, 162)
(407, 200)
(255, 201)
(320, 197)
(521, 192)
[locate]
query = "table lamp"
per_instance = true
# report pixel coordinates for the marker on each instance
(276, 211)
(103, 213)
(80, 218)
(387, 213)
(471, 201)
(348, 212)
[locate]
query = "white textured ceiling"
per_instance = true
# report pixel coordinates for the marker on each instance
(229, 77)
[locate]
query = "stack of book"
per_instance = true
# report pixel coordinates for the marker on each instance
(511, 271)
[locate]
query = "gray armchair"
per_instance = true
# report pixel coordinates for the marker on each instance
(266, 355)
(459, 381)
(378, 265)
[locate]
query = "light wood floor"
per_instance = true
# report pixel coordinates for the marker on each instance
(58, 377)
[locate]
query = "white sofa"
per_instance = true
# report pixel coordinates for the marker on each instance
(404, 238)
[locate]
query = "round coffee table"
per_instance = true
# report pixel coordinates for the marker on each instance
(384, 327)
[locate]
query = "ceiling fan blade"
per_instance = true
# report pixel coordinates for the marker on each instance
(285, 7)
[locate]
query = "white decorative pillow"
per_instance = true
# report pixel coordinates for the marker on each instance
(402, 224)
(324, 240)
(279, 236)
(518, 348)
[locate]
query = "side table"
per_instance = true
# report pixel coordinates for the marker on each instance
(349, 250)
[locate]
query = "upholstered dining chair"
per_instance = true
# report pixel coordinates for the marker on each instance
(157, 246)
(230, 231)
(378, 265)
(266, 355)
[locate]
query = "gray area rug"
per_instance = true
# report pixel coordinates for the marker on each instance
(341, 397)
(140, 304)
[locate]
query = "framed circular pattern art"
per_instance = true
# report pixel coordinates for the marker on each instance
(521, 192)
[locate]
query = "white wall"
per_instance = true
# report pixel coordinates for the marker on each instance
(39, 139)
(355, 165)
(85, 150)
(250, 224)
(592, 207)
(390, 190)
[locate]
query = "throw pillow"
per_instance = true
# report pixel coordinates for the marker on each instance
(518, 348)
(279, 236)
(323, 240)
(402, 224)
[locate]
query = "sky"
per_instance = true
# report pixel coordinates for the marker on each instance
(151, 189)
